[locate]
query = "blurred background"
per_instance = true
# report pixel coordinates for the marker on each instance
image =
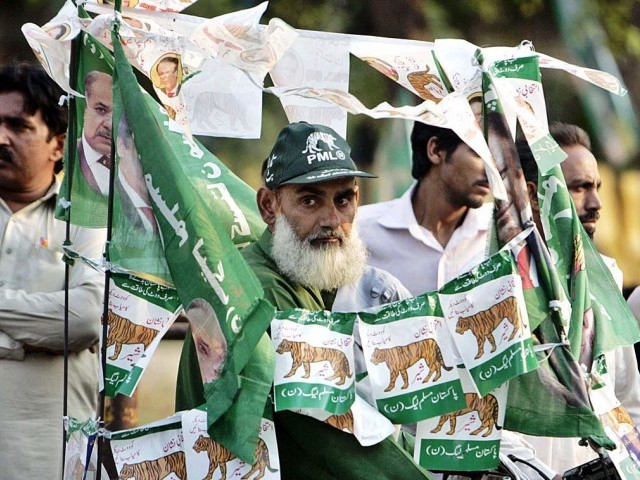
(601, 34)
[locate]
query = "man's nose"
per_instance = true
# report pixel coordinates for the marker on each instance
(107, 119)
(331, 217)
(593, 202)
(4, 134)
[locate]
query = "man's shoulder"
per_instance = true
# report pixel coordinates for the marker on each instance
(369, 215)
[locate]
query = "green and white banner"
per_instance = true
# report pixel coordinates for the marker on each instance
(467, 439)
(411, 360)
(206, 458)
(315, 366)
(151, 450)
(485, 312)
(140, 313)
(213, 281)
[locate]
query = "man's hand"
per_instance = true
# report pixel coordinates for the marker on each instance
(10, 349)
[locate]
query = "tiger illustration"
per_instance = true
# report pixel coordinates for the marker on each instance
(219, 456)
(400, 359)
(620, 416)
(487, 408)
(156, 469)
(124, 332)
(304, 354)
(314, 140)
(425, 83)
(482, 324)
(342, 422)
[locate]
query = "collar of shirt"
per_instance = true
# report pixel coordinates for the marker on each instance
(402, 217)
(90, 155)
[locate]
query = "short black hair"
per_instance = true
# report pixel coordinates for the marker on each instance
(565, 135)
(447, 139)
(39, 91)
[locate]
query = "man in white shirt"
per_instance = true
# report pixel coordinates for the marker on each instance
(32, 283)
(94, 148)
(582, 178)
(438, 228)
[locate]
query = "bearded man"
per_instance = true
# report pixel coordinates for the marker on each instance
(309, 255)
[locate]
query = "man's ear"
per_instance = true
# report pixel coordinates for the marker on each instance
(58, 146)
(435, 153)
(268, 206)
(532, 190)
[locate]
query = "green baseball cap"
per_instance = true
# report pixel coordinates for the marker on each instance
(308, 153)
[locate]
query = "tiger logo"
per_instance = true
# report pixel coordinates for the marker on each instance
(487, 408)
(342, 422)
(124, 332)
(425, 84)
(400, 359)
(219, 456)
(304, 354)
(482, 324)
(315, 138)
(156, 469)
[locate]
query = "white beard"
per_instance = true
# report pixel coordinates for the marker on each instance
(326, 268)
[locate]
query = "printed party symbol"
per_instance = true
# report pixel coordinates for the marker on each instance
(304, 354)
(487, 408)
(342, 422)
(156, 469)
(482, 324)
(219, 456)
(124, 332)
(401, 358)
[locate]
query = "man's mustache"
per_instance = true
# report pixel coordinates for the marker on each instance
(104, 132)
(7, 155)
(324, 234)
(590, 216)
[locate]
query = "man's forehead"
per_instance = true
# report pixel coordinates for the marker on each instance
(580, 163)
(13, 104)
(327, 186)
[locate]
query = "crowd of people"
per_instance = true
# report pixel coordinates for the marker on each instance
(319, 251)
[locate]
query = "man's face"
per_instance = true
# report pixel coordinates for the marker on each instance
(168, 75)
(314, 240)
(27, 152)
(580, 170)
(321, 212)
(464, 178)
(97, 115)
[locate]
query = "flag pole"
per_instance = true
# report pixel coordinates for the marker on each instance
(71, 153)
(107, 275)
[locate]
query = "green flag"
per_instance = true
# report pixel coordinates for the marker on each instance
(553, 401)
(219, 291)
(85, 188)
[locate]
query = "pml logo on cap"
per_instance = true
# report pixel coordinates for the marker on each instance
(316, 153)
(308, 153)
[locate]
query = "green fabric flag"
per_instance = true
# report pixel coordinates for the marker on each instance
(571, 277)
(221, 295)
(135, 243)
(84, 193)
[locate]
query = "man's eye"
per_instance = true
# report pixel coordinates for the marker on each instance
(309, 201)
(344, 201)
(17, 126)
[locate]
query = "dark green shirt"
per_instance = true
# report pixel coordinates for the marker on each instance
(308, 448)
